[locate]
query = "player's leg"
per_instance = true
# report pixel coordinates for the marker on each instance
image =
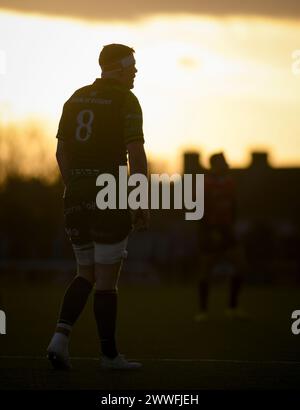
(207, 261)
(73, 303)
(105, 307)
(76, 295)
(210, 244)
(78, 290)
(108, 264)
(236, 257)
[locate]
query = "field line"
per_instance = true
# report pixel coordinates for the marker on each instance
(166, 360)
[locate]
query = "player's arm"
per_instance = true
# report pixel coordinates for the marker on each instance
(234, 202)
(234, 210)
(60, 150)
(134, 141)
(137, 158)
(138, 165)
(62, 161)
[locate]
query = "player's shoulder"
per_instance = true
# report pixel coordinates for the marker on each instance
(209, 178)
(82, 91)
(86, 89)
(132, 96)
(131, 101)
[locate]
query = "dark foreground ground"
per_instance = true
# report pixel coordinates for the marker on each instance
(156, 327)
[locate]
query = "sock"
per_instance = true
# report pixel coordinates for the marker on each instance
(203, 295)
(235, 286)
(73, 302)
(105, 310)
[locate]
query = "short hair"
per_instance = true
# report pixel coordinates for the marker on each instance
(111, 54)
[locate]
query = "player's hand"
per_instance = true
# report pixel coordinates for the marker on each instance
(140, 219)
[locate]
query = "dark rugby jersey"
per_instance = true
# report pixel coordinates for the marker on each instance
(97, 122)
(219, 200)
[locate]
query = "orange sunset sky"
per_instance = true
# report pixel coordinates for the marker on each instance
(212, 76)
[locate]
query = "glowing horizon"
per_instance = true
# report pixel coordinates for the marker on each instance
(206, 84)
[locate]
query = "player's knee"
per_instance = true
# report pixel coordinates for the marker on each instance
(87, 272)
(107, 276)
(205, 270)
(240, 275)
(204, 278)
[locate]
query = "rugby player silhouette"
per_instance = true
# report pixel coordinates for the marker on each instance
(217, 238)
(100, 125)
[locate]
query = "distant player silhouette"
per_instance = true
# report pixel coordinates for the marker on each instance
(217, 241)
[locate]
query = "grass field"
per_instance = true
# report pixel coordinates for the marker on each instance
(156, 327)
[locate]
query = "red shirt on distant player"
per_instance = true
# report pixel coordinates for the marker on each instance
(219, 200)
